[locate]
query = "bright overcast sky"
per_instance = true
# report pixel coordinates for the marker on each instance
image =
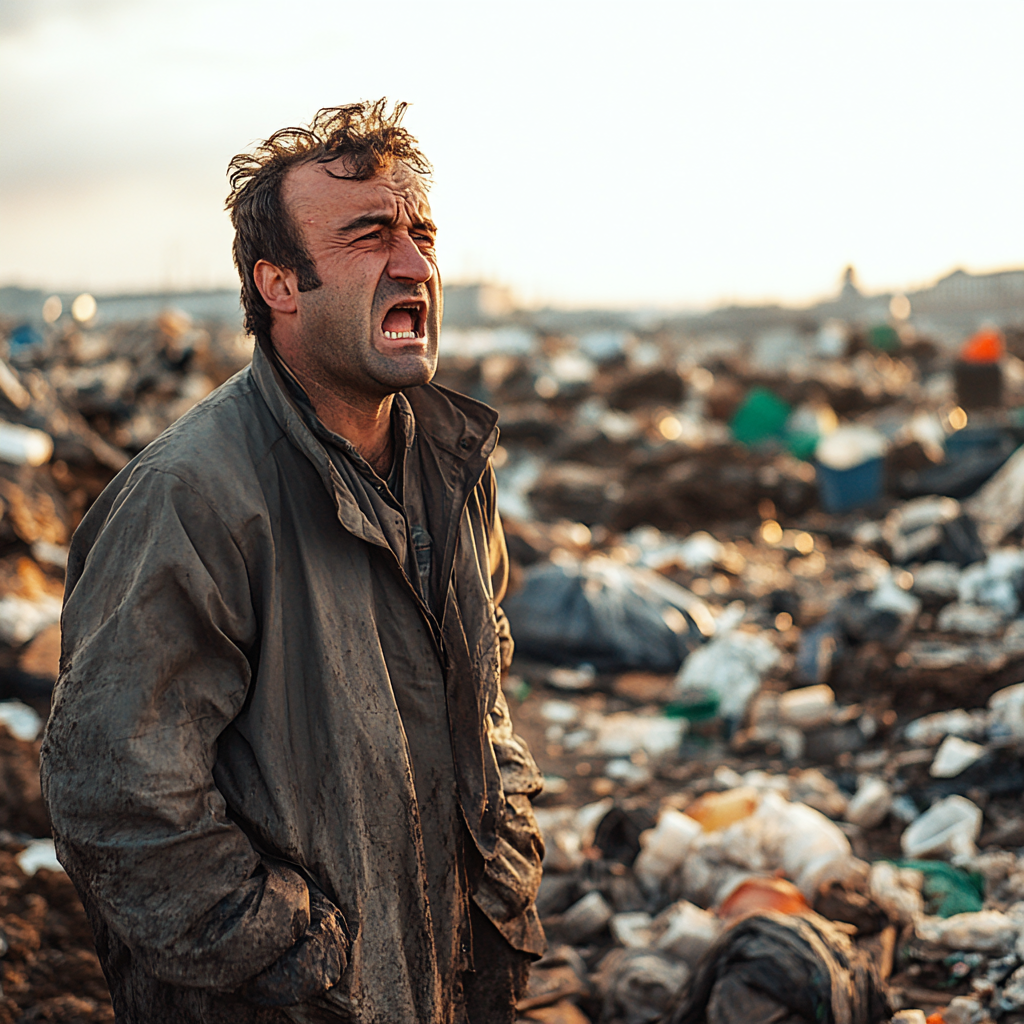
(642, 153)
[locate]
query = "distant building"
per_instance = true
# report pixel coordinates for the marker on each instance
(222, 304)
(477, 305)
(960, 291)
(850, 293)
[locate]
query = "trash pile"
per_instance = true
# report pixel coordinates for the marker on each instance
(770, 653)
(48, 966)
(74, 407)
(768, 604)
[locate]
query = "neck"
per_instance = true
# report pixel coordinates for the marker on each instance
(363, 420)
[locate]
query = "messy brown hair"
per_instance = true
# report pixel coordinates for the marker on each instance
(365, 135)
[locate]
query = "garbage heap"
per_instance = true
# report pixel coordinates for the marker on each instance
(73, 409)
(770, 658)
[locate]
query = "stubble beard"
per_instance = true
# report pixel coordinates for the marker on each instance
(340, 351)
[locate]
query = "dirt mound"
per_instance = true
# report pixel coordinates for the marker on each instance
(50, 971)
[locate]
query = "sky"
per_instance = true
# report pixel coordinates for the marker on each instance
(655, 154)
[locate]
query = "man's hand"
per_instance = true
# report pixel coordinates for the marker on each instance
(512, 877)
(312, 965)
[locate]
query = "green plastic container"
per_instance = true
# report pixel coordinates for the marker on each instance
(883, 338)
(948, 890)
(701, 708)
(802, 445)
(761, 417)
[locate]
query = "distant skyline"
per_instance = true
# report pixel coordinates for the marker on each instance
(670, 155)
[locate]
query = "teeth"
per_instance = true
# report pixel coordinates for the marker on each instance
(394, 335)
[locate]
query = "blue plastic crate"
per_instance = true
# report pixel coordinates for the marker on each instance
(843, 489)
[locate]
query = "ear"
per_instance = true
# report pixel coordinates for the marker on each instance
(279, 287)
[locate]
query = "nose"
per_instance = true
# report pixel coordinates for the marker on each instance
(407, 262)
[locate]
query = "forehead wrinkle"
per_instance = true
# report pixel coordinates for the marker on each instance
(307, 200)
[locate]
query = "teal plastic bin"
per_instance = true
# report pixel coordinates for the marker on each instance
(762, 416)
(841, 490)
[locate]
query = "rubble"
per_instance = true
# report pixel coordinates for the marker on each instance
(766, 595)
(75, 405)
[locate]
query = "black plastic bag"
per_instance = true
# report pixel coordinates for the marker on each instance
(770, 968)
(606, 614)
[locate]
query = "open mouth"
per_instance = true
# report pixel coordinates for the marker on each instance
(405, 319)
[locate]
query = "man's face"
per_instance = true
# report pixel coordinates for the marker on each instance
(372, 327)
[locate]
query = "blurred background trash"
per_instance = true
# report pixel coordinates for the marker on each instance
(772, 967)
(767, 596)
(850, 462)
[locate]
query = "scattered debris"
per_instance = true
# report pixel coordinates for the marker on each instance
(767, 601)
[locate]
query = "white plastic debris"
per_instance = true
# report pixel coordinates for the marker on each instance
(559, 712)
(964, 1010)
(904, 809)
(909, 1017)
(776, 835)
(998, 507)
(733, 665)
(937, 581)
(632, 930)
(624, 733)
(50, 554)
(585, 918)
(567, 831)
(807, 707)
(897, 891)
(1006, 713)
(948, 828)
(22, 619)
(1012, 997)
(39, 853)
(22, 722)
(954, 756)
(23, 446)
(889, 596)
(995, 582)
(913, 529)
(849, 446)
(933, 729)
(700, 551)
(984, 931)
(870, 804)
(970, 619)
(687, 931)
(638, 986)
(623, 770)
(664, 848)
(581, 678)
(554, 785)
(817, 790)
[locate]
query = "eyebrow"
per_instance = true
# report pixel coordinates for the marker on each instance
(383, 220)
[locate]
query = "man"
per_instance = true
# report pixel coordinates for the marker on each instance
(279, 764)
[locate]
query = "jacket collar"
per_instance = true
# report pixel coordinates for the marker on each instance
(457, 424)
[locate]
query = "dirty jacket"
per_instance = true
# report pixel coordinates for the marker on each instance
(225, 737)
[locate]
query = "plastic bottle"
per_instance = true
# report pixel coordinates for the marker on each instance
(766, 893)
(665, 848)
(948, 828)
(790, 838)
(813, 848)
(978, 372)
(984, 347)
(689, 931)
(24, 446)
(870, 804)
(715, 811)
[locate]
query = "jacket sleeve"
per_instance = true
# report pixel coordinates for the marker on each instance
(511, 878)
(157, 620)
